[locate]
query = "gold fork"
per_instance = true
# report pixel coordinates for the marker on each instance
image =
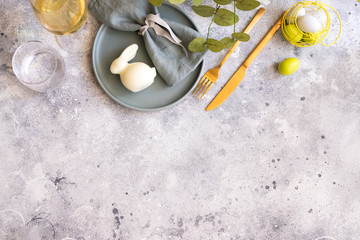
(210, 77)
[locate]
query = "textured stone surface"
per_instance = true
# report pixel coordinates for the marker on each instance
(278, 160)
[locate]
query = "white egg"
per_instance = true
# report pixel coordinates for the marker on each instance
(291, 14)
(319, 15)
(308, 23)
(134, 76)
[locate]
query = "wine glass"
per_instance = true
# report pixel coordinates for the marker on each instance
(62, 18)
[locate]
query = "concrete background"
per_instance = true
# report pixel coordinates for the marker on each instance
(278, 160)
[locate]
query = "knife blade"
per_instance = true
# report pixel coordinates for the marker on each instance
(240, 73)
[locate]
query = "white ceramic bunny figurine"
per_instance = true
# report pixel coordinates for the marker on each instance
(134, 76)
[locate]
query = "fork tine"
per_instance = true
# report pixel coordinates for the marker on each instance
(207, 89)
(200, 85)
(203, 88)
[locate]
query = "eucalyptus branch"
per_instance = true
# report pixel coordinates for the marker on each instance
(212, 20)
(221, 17)
(234, 16)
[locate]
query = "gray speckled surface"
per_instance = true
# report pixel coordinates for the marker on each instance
(278, 160)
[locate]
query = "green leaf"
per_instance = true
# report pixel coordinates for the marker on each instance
(176, 1)
(243, 37)
(197, 45)
(247, 5)
(204, 11)
(227, 42)
(223, 2)
(214, 45)
(197, 2)
(224, 17)
(156, 3)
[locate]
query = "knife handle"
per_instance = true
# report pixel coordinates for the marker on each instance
(255, 20)
(263, 43)
(247, 30)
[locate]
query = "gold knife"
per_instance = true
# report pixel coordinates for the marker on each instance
(240, 73)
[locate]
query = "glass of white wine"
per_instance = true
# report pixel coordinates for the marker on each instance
(62, 18)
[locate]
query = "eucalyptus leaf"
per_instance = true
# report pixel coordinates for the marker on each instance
(197, 45)
(156, 3)
(176, 1)
(204, 11)
(223, 2)
(221, 17)
(227, 42)
(247, 5)
(214, 45)
(224, 17)
(197, 2)
(243, 37)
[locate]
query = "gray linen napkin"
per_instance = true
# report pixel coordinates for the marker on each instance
(168, 58)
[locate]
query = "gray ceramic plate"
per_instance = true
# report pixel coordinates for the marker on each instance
(108, 45)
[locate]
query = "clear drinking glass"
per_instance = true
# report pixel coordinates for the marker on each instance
(38, 66)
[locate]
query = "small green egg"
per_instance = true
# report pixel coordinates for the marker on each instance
(292, 33)
(289, 66)
(312, 38)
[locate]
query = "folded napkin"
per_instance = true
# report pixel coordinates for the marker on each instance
(172, 61)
